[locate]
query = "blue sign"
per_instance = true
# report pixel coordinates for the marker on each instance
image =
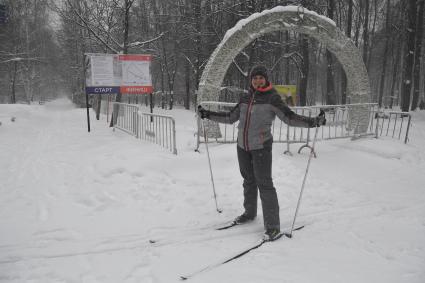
(102, 89)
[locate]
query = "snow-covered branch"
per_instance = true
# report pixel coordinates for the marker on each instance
(245, 74)
(293, 56)
(19, 59)
(138, 43)
(91, 30)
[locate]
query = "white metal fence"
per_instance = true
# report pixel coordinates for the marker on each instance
(160, 129)
(338, 125)
(126, 118)
(154, 128)
(394, 124)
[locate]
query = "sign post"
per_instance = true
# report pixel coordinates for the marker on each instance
(86, 64)
(88, 112)
(151, 104)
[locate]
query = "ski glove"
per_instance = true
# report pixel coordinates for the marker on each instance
(203, 113)
(320, 120)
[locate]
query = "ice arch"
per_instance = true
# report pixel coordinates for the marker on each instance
(301, 20)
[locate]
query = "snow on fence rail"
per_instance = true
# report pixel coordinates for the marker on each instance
(155, 128)
(337, 126)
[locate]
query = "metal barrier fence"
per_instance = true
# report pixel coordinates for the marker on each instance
(126, 118)
(158, 129)
(392, 124)
(337, 125)
(155, 128)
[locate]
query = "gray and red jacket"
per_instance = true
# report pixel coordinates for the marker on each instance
(256, 111)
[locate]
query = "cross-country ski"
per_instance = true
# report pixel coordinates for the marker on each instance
(233, 257)
(239, 254)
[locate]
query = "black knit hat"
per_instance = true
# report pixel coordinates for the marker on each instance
(259, 71)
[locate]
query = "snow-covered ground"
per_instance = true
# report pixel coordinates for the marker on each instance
(82, 207)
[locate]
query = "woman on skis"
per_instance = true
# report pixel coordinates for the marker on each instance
(255, 112)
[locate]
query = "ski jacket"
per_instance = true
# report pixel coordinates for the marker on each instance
(256, 111)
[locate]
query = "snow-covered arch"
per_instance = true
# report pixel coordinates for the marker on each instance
(301, 20)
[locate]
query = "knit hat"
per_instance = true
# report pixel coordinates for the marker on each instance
(259, 71)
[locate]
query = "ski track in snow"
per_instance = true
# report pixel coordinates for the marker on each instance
(83, 207)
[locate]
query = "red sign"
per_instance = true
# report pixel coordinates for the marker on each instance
(136, 76)
(136, 89)
(135, 57)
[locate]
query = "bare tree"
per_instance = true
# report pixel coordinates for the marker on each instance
(330, 87)
(409, 56)
(181, 35)
(418, 52)
(23, 56)
(366, 33)
(348, 34)
(385, 55)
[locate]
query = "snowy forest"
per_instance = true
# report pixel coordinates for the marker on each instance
(42, 46)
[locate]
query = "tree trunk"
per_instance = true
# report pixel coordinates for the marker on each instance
(372, 35)
(330, 88)
(348, 34)
(350, 18)
(313, 72)
(287, 37)
(276, 71)
(126, 26)
(395, 72)
(409, 57)
(13, 83)
(98, 105)
(418, 52)
(198, 45)
(304, 70)
(187, 97)
(27, 66)
(358, 24)
(330, 92)
(366, 32)
(385, 59)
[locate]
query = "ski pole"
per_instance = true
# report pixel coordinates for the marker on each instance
(312, 153)
(209, 163)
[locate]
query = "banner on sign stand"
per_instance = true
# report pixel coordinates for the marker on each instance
(103, 74)
(136, 76)
(114, 73)
(117, 73)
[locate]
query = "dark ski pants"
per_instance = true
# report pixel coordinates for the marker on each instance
(256, 170)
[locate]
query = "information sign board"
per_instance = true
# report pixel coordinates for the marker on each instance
(114, 73)
(136, 73)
